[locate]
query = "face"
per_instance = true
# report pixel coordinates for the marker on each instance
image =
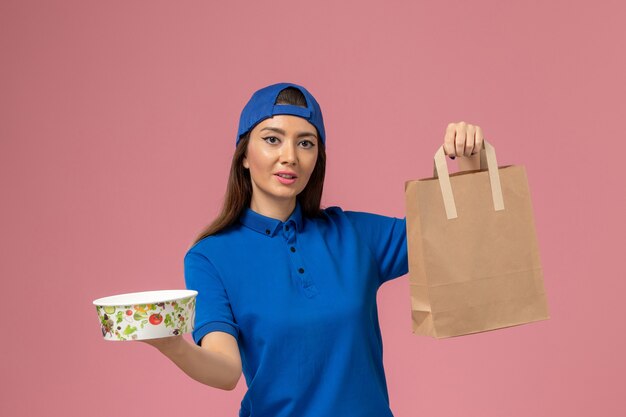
(281, 144)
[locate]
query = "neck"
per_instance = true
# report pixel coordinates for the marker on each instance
(280, 210)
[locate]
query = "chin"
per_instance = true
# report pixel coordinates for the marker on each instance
(286, 196)
(287, 193)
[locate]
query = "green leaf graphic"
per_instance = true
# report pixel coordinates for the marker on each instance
(129, 330)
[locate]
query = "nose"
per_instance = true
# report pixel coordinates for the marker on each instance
(288, 154)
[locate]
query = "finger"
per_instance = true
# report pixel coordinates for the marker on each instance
(448, 141)
(459, 141)
(479, 139)
(470, 140)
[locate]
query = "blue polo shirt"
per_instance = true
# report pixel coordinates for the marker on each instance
(300, 298)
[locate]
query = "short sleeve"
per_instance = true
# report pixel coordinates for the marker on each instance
(386, 237)
(213, 310)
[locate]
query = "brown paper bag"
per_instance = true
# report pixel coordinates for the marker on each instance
(473, 255)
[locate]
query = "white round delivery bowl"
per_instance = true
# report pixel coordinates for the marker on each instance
(146, 315)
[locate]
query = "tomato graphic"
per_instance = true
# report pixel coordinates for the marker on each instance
(156, 319)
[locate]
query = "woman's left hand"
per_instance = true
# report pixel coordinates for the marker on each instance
(462, 139)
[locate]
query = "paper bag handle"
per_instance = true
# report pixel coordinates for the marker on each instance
(488, 158)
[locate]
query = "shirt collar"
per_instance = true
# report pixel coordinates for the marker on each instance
(269, 226)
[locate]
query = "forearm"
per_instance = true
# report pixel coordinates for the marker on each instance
(207, 367)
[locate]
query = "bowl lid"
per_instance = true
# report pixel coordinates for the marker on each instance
(144, 297)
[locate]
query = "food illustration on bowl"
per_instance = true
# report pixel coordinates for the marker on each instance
(146, 315)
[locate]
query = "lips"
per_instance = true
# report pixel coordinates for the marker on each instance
(287, 179)
(286, 175)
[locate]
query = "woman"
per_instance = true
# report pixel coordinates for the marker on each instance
(287, 290)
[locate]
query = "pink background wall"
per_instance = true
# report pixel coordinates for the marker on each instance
(117, 124)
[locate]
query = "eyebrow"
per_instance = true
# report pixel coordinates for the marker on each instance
(282, 132)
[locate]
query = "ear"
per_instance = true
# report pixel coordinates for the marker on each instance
(245, 163)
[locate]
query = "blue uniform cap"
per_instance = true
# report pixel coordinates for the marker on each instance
(262, 105)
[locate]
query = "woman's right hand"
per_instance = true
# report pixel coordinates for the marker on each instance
(165, 344)
(217, 363)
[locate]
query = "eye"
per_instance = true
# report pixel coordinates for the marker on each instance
(307, 144)
(271, 140)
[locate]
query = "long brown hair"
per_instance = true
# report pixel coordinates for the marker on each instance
(239, 189)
